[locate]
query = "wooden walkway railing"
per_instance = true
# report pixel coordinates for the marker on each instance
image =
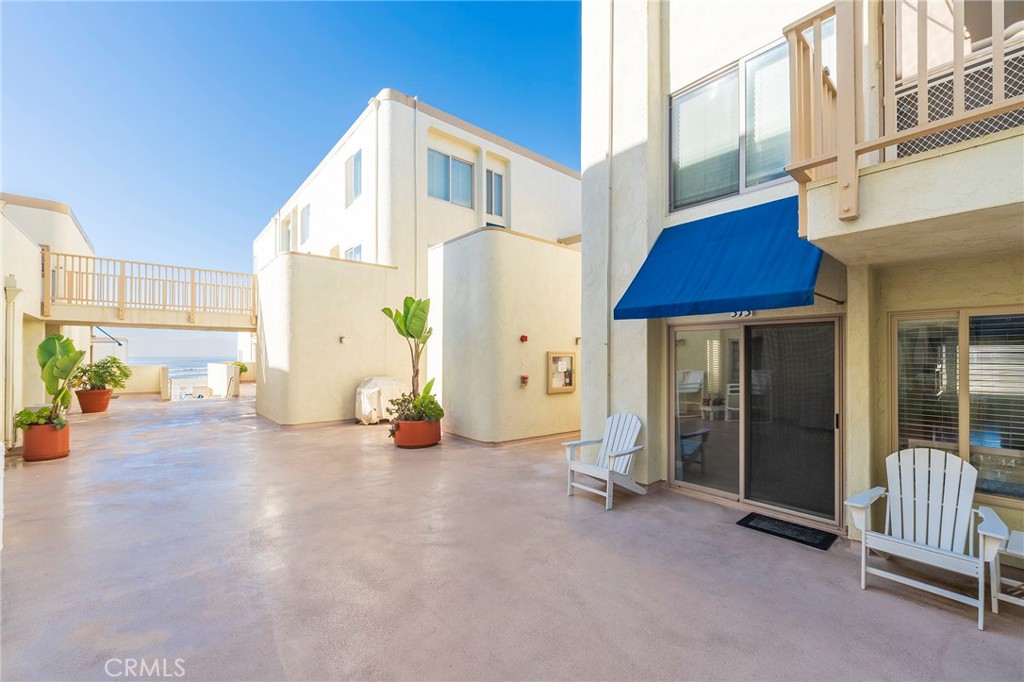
(122, 284)
(898, 86)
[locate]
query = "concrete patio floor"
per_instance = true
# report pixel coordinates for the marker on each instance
(198, 531)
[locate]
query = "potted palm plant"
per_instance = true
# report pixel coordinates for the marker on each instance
(96, 382)
(47, 432)
(415, 417)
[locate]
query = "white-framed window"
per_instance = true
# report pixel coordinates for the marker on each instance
(449, 178)
(353, 177)
(495, 193)
(355, 253)
(286, 235)
(730, 133)
(932, 374)
(304, 225)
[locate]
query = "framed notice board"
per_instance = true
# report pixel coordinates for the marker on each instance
(561, 372)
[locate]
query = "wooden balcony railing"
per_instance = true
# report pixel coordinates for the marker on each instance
(122, 284)
(863, 109)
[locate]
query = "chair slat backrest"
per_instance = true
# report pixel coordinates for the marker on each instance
(931, 493)
(689, 380)
(620, 433)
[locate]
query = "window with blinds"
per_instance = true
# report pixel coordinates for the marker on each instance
(706, 142)
(996, 385)
(927, 382)
(927, 368)
(766, 142)
(730, 133)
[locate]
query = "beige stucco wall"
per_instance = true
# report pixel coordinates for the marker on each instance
(932, 204)
(47, 223)
(29, 223)
(396, 222)
(488, 289)
(144, 379)
(304, 374)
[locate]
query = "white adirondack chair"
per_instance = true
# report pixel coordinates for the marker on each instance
(615, 460)
(929, 519)
(689, 382)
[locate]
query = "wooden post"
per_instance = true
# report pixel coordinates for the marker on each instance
(47, 281)
(922, 62)
(122, 288)
(846, 114)
(959, 82)
(191, 295)
(998, 52)
(252, 297)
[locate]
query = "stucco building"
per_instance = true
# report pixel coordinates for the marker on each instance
(802, 331)
(412, 201)
(28, 225)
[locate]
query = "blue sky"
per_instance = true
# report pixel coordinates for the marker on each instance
(175, 130)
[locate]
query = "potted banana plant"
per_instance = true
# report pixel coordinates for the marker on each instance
(47, 431)
(415, 417)
(96, 382)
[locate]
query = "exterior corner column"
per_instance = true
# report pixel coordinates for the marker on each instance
(859, 370)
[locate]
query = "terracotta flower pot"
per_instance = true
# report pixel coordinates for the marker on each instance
(417, 434)
(43, 442)
(94, 401)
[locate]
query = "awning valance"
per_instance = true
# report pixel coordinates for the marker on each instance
(751, 259)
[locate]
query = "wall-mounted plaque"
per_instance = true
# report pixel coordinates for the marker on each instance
(561, 372)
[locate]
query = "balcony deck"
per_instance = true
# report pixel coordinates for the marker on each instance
(196, 530)
(88, 290)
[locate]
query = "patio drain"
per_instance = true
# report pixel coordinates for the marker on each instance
(811, 537)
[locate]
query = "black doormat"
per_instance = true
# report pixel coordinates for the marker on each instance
(791, 531)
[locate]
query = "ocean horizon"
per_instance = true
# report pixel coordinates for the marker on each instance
(180, 367)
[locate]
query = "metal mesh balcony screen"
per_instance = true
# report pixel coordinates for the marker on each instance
(978, 93)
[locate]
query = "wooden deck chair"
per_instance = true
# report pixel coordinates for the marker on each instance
(615, 460)
(691, 449)
(929, 519)
(689, 382)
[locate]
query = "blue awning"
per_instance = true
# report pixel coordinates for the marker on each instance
(750, 259)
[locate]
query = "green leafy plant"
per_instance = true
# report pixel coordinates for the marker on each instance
(410, 408)
(59, 361)
(27, 418)
(106, 373)
(411, 323)
(242, 367)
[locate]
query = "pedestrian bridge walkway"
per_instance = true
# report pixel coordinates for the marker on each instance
(88, 290)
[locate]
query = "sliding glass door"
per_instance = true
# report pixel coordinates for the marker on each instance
(791, 398)
(755, 413)
(707, 408)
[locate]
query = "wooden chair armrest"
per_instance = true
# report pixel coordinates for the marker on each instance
(578, 443)
(865, 499)
(991, 525)
(570, 447)
(613, 455)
